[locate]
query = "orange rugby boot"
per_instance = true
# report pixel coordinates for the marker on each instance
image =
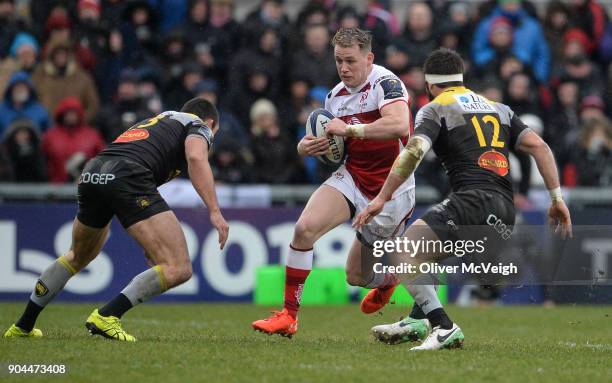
(280, 322)
(376, 299)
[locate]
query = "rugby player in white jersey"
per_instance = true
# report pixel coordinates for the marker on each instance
(372, 111)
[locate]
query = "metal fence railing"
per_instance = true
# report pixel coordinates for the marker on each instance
(288, 195)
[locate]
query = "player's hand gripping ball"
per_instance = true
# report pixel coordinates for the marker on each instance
(315, 126)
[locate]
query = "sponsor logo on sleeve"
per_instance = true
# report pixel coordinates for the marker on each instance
(392, 88)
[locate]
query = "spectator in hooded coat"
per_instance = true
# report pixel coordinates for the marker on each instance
(71, 142)
(22, 145)
(20, 101)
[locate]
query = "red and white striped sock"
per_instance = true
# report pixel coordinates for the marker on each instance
(299, 264)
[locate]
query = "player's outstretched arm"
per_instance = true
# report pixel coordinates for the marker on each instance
(404, 166)
(558, 212)
(393, 123)
(201, 176)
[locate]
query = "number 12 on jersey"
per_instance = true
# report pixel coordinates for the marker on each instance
(487, 120)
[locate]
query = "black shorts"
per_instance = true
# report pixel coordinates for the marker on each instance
(117, 186)
(472, 213)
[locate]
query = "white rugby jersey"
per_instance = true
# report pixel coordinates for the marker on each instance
(369, 161)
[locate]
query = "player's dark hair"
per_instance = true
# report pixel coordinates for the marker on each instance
(347, 37)
(201, 108)
(444, 61)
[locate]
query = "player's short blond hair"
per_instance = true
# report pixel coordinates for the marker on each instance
(347, 37)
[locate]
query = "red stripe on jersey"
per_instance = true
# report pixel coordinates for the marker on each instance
(361, 118)
(369, 161)
(342, 92)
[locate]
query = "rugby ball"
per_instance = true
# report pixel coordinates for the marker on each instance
(315, 125)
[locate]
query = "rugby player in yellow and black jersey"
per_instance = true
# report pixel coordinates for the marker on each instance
(122, 180)
(472, 137)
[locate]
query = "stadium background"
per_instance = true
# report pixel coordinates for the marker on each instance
(75, 74)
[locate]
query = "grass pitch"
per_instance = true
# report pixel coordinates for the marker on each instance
(215, 343)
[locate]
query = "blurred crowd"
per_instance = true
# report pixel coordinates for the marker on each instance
(74, 74)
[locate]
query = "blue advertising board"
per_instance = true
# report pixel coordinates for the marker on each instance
(33, 235)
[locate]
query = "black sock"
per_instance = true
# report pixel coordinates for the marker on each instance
(438, 317)
(29, 316)
(117, 307)
(417, 312)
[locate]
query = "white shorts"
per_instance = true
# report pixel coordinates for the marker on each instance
(391, 221)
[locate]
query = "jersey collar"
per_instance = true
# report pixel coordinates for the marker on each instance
(458, 89)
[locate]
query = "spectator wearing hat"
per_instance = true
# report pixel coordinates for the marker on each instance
(528, 42)
(500, 41)
(20, 101)
(70, 142)
(21, 143)
(274, 153)
(60, 76)
(592, 107)
(126, 109)
(577, 42)
(23, 56)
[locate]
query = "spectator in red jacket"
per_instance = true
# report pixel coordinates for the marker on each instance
(70, 143)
